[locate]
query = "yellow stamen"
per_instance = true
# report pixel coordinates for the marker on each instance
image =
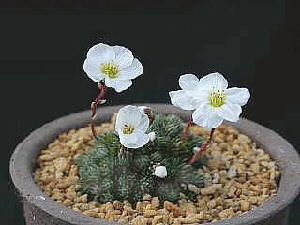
(128, 129)
(217, 98)
(110, 70)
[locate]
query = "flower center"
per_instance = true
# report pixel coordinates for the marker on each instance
(217, 98)
(110, 70)
(128, 129)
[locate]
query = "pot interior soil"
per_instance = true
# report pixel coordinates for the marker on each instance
(239, 176)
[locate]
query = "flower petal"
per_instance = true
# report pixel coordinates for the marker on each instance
(229, 111)
(128, 139)
(182, 100)
(142, 139)
(128, 115)
(134, 140)
(143, 108)
(212, 121)
(118, 85)
(132, 71)
(188, 82)
(200, 95)
(213, 80)
(102, 52)
(207, 117)
(237, 95)
(144, 123)
(123, 56)
(92, 70)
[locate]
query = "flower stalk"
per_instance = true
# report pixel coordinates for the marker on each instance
(186, 130)
(125, 157)
(203, 148)
(100, 100)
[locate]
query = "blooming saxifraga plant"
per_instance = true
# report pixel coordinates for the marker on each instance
(211, 101)
(148, 152)
(110, 66)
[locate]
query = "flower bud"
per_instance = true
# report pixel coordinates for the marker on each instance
(152, 136)
(161, 171)
(196, 149)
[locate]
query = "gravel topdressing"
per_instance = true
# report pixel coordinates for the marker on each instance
(238, 177)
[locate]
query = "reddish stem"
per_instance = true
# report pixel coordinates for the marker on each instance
(150, 115)
(203, 148)
(98, 101)
(186, 130)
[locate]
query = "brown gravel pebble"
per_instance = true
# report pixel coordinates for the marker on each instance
(238, 177)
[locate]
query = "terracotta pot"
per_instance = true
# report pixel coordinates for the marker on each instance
(39, 209)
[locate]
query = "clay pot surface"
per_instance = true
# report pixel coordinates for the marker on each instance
(39, 209)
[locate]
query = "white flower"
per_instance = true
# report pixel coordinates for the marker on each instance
(161, 171)
(210, 99)
(131, 125)
(113, 64)
(152, 136)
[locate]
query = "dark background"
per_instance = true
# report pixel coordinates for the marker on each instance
(43, 44)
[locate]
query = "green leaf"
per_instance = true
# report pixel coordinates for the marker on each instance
(108, 174)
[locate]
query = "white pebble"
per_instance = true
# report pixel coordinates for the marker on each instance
(40, 198)
(232, 171)
(216, 178)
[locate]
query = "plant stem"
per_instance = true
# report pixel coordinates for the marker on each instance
(186, 130)
(125, 157)
(203, 148)
(150, 115)
(98, 101)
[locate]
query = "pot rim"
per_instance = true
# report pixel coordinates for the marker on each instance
(23, 162)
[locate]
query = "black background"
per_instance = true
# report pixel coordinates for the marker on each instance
(43, 44)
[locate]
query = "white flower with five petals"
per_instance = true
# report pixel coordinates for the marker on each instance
(210, 98)
(115, 65)
(131, 125)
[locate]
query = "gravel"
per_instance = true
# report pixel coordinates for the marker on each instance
(239, 176)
